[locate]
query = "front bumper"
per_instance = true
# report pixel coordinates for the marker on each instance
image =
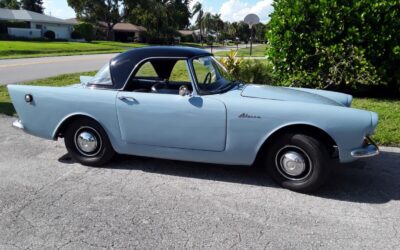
(367, 150)
(18, 124)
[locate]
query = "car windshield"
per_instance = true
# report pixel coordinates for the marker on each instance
(103, 76)
(211, 76)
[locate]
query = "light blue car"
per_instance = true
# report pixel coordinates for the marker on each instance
(180, 103)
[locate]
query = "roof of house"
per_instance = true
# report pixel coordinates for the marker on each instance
(72, 20)
(29, 16)
(125, 27)
(186, 32)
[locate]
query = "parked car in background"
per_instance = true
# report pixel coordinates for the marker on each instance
(180, 103)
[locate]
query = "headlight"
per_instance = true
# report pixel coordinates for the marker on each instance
(374, 120)
(349, 100)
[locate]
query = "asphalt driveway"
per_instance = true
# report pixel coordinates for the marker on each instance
(47, 202)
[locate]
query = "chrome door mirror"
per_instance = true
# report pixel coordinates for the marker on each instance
(184, 90)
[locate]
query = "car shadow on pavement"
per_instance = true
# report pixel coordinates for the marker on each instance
(7, 108)
(371, 180)
(374, 180)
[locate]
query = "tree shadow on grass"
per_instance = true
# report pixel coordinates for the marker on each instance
(375, 180)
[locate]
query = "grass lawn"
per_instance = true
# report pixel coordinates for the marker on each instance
(258, 51)
(388, 131)
(23, 49)
(205, 45)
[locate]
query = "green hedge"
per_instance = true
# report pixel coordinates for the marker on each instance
(339, 44)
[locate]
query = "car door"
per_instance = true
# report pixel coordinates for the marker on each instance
(171, 120)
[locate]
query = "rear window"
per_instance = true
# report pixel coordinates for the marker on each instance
(103, 76)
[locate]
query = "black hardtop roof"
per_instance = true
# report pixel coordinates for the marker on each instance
(122, 65)
(164, 51)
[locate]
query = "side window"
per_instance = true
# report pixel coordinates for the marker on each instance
(203, 68)
(180, 72)
(146, 70)
(162, 76)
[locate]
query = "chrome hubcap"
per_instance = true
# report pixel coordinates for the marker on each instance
(87, 141)
(293, 163)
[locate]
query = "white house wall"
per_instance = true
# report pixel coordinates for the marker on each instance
(61, 31)
(21, 32)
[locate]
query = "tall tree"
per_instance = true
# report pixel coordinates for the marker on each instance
(161, 18)
(32, 5)
(217, 24)
(10, 4)
(259, 32)
(109, 11)
(198, 10)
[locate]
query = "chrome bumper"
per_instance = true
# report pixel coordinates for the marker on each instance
(18, 124)
(368, 150)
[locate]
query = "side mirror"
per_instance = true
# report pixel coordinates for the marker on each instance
(184, 91)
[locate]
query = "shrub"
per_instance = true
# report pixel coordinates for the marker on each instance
(232, 63)
(187, 39)
(257, 71)
(49, 34)
(340, 44)
(86, 31)
(76, 35)
(249, 71)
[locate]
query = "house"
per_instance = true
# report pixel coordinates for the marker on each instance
(24, 23)
(189, 35)
(123, 32)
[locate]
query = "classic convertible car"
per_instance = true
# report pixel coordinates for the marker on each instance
(180, 103)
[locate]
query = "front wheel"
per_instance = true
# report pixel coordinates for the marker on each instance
(88, 143)
(298, 162)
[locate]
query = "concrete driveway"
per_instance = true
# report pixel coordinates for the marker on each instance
(49, 202)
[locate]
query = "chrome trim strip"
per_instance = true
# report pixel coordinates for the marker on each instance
(18, 124)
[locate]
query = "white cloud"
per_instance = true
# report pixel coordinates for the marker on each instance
(58, 8)
(236, 10)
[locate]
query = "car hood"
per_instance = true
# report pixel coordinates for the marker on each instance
(297, 95)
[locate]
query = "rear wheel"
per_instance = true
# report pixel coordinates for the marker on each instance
(88, 143)
(298, 162)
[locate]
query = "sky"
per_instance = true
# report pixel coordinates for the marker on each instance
(230, 10)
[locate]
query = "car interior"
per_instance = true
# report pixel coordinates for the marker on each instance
(162, 76)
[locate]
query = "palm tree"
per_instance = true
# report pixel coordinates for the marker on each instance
(198, 9)
(207, 22)
(217, 24)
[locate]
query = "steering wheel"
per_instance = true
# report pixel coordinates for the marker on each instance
(207, 78)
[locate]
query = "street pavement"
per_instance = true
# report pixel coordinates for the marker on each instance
(28, 69)
(49, 202)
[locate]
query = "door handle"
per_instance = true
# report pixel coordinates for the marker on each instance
(127, 98)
